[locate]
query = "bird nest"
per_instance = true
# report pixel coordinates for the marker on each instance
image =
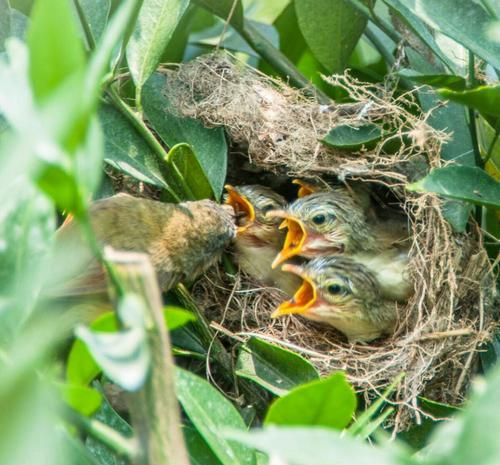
(443, 325)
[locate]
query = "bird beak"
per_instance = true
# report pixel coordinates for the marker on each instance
(294, 239)
(304, 189)
(241, 205)
(303, 299)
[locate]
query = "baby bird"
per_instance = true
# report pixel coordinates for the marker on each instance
(327, 223)
(340, 292)
(182, 240)
(258, 238)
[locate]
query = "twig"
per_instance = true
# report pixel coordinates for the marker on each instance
(154, 409)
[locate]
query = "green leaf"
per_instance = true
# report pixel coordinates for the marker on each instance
(124, 356)
(177, 317)
(155, 25)
(83, 399)
(56, 50)
(331, 29)
(329, 402)
(405, 14)
(209, 144)
(223, 9)
(97, 14)
(465, 22)
(210, 412)
(199, 451)
(471, 438)
(277, 370)
(182, 159)
(108, 416)
(264, 11)
(126, 151)
(5, 14)
(318, 446)
(81, 367)
(470, 184)
(352, 138)
(61, 187)
(448, 81)
(485, 99)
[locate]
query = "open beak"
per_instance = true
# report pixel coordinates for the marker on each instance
(304, 188)
(303, 299)
(294, 239)
(241, 206)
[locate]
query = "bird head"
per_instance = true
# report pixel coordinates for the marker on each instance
(323, 223)
(251, 204)
(341, 292)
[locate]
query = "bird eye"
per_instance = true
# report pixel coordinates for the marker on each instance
(319, 219)
(334, 289)
(267, 208)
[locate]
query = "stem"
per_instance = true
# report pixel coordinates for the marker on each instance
(154, 409)
(471, 81)
(379, 22)
(89, 37)
(126, 447)
(147, 135)
(377, 43)
(278, 60)
(489, 8)
(490, 148)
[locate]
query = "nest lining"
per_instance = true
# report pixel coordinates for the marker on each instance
(443, 324)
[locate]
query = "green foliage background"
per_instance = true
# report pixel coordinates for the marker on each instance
(80, 91)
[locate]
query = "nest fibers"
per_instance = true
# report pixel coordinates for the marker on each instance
(442, 326)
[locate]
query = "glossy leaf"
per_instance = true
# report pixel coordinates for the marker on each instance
(84, 400)
(211, 413)
(56, 50)
(465, 22)
(264, 11)
(5, 31)
(329, 402)
(209, 144)
(485, 99)
(155, 25)
(448, 81)
(352, 138)
(331, 29)
(466, 183)
(318, 446)
(276, 369)
(182, 159)
(126, 151)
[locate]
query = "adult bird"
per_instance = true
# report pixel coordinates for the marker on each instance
(182, 240)
(258, 238)
(327, 223)
(342, 293)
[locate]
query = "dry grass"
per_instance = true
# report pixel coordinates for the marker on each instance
(443, 325)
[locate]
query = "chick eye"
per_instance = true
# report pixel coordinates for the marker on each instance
(267, 208)
(335, 289)
(319, 219)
